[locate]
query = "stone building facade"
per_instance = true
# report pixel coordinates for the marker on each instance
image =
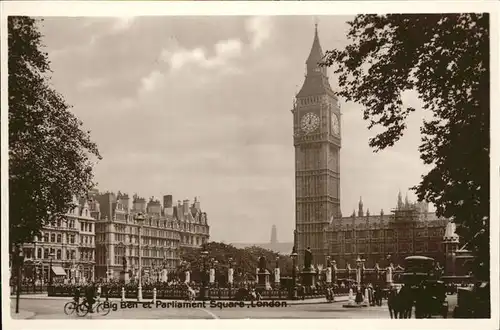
(165, 231)
(69, 242)
(317, 142)
(408, 229)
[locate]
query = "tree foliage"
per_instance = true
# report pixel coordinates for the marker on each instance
(50, 156)
(445, 59)
(245, 261)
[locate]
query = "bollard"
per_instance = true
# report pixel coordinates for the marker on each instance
(351, 296)
(154, 296)
(366, 300)
(123, 294)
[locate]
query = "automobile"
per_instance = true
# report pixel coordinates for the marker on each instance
(473, 302)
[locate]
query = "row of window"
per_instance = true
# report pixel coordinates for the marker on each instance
(122, 229)
(86, 227)
(350, 234)
(145, 262)
(388, 248)
(53, 238)
(70, 223)
(146, 252)
(57, 254)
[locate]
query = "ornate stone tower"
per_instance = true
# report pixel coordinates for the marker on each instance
(316, 122)
(274, 235)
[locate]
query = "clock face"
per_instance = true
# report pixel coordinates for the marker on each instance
(335, 124)
(309, 122)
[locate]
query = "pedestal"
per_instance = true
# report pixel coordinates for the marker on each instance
(263, 280)
(124, 277)
(308, 278)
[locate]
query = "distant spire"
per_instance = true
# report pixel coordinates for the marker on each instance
(407, 203)
(360, 207)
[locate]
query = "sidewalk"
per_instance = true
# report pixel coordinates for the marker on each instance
(22, 315)
(289, 302)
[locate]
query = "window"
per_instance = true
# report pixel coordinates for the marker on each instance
(67, 239)
(90, 227)
(46, 253)
(52, 237)
(67, 254)
(348, 235)
(46, 237)
(81, 226)
(419, 246)
(58, 255)
(59, 238)
(72, 239)
(40, 256)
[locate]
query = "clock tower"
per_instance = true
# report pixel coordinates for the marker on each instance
(316, 123)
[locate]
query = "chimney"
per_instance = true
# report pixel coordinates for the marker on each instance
(168, 209)
(167, 201)
(179, 211)
(185, 206)
(197, 204)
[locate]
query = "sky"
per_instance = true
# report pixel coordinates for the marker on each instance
(200, 106)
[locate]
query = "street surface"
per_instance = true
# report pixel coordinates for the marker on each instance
(53, 309)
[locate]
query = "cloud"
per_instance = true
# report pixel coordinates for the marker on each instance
(123, 23)
(90, 83)
(225, 50)
(260, 28)
(150, 82)
(194, 63)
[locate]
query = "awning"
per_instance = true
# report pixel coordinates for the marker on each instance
(58, 271)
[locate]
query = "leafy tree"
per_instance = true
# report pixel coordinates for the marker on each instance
(445, 59)
(245, 261)
(50, 156)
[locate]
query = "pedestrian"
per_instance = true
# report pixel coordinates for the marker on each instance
(90, 297)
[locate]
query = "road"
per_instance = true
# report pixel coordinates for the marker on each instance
(53, 309)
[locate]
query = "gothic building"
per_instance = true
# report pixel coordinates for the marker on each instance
(317, 141)
(409, 229)
(381, 238)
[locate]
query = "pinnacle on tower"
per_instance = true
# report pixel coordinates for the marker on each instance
(316, 82)
(400, 200)
(407, 203)
(360, 207)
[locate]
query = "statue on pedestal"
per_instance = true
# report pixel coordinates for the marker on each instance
(307, 259)
(262, 264)
(124, 261)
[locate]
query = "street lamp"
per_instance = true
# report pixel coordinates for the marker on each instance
(51, 256)
(359, 264)
(204, 256)
(294, 275)
(140, 220)
(19, 259)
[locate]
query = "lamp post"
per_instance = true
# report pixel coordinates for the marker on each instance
(294, 274)
(51, 256)
(19, 259)
(204, 255)
(140, 220)
(359, 264)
